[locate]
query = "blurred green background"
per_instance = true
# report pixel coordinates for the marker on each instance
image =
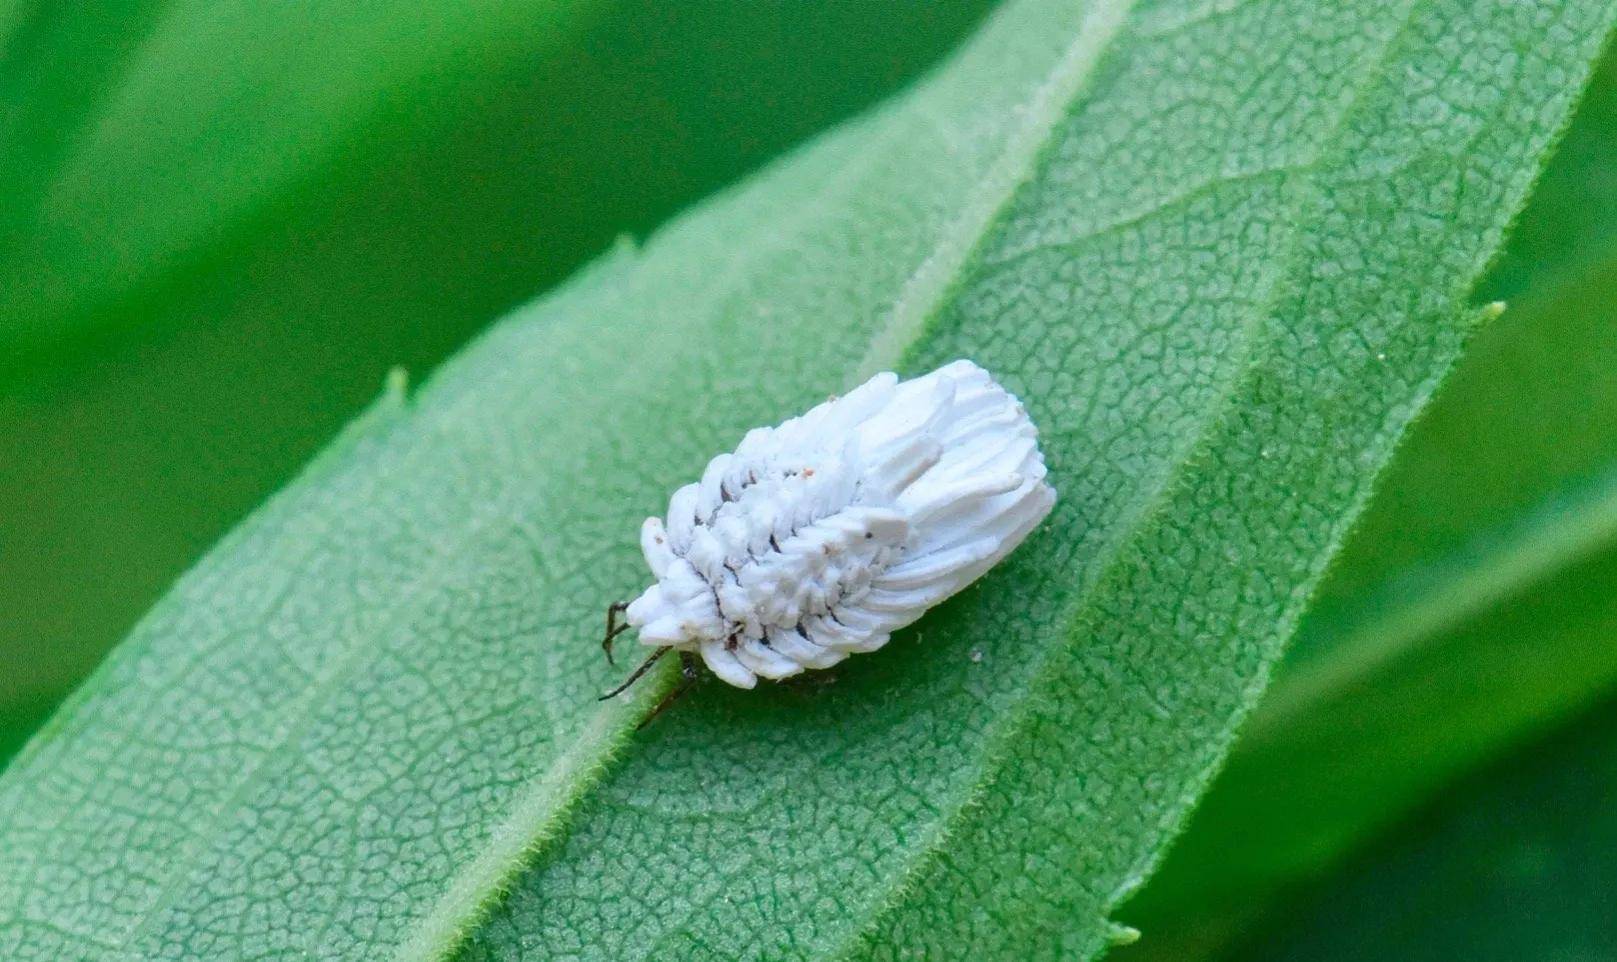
(221, 232)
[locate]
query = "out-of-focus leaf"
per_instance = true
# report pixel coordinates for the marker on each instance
(220, 109)
(145, 140)
(123, 463)
(1223, 254)
(1571, 221)
(19, 718)
(1513, 866)
(1459, 617)
(1381, 749)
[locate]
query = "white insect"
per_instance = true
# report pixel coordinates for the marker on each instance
(819, 538)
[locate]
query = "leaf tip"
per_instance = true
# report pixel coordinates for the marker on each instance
(1120, 935)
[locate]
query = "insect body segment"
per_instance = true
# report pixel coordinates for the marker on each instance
(818, 538)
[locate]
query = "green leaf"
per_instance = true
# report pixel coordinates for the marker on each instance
(1511, 866)
(1458, 620)
(123, 462)
(1223, 255)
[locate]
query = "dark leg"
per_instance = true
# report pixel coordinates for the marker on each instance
(634, 676)
(688, 677)
(613, 629)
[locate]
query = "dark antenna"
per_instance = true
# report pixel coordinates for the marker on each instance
(634, 676)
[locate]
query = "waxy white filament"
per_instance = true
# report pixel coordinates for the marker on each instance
(822, 536)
